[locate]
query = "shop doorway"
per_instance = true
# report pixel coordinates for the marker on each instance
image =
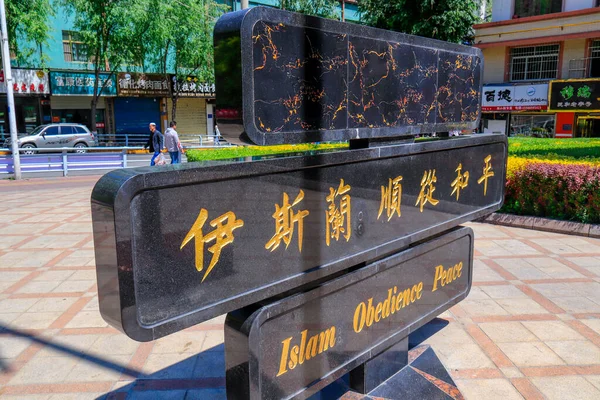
(588, 127)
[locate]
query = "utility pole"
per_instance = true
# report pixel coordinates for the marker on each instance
(12, 121)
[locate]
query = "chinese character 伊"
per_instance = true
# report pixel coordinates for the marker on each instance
(222, 235)
(285, 222)
(338, 215)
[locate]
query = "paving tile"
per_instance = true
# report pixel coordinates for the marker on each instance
(463, 356)
(7, 318)
(556, 246)
(77, 258)
(53, 304)
(516, 247)
(72, 227)
(44, 370)
(209, 364)
(566, 388)
(594, 380)
(213, 341)
(530, 354)
(511, 372)
(86, 370)
(576, 352)
(504, 292)
(478, 308)
(576, 304)
(521, 306)
(28, 259)
(170, 366)
(74, 286)
(117, 344)
(520, 268)
(25, 397)
(54, 276)
(489, 389)
(32, 320)
(477, 293)
(180, 342)
(84, 275)
(7, 242)
(505, 332)
(12, 276)
(11, 347)
(16, 305)
(77, 396)
(552, 330)
(62, 241)
(39, 287)
(62, 345)
(594, 324)
(87, 319)
(22, 228)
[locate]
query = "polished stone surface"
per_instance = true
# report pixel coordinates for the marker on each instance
(166, 259)
(289, 78)
(298, 345)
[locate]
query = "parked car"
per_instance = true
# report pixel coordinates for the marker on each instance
(56, 135)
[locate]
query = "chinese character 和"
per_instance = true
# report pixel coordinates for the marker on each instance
(461, 181)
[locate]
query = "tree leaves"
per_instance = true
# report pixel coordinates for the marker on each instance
(28, 30)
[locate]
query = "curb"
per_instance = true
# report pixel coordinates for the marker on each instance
(544, 224)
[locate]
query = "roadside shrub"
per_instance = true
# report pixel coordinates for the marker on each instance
(554, 190)
(252, 151)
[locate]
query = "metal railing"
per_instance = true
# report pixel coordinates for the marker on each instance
(140, 139)
(63, 160)
(588, 67)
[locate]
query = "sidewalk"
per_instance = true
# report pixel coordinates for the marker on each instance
(530, 327)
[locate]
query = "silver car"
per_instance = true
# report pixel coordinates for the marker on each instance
(56, 135)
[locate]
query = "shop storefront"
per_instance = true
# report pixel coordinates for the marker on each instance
(71, 99)
(139, 102)
(194, 111)
(517, 109)
(577, 106)
(32, 106)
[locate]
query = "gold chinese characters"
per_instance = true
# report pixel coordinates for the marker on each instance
(222, 235)
(487, 173)
(285, 221)
(460, 182)
(391, 197)
(427, 189)
(338, 214)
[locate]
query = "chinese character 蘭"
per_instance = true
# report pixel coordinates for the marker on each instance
(427, 189)
(461, 181)
(338, 216)
(222, 235)
(391, 197)
(487, 173)
(285, 222)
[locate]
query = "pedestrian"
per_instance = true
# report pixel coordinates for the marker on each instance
(173, 144)
(155, 142)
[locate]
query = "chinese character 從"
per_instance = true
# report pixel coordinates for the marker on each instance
(427, 189)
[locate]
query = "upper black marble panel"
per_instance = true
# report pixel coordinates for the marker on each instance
(291, 78)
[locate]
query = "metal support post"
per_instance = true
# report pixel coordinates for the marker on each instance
(65, 163)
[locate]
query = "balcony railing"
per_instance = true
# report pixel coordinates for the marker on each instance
(584, 68)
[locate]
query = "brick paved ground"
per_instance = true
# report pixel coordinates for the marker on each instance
(530, 327)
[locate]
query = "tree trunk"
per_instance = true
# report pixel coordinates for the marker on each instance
(174, 108)
(94, 103)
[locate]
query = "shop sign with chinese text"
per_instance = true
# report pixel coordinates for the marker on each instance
(575, 95)
(81, 84)
(191, 86)
(134, 84)
(26, 81)
(515, 97)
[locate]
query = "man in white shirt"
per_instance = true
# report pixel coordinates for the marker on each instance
(173, 144)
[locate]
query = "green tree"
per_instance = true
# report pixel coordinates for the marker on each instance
(28, 29)
(109, 30)
(449, 20)
(180, 39)
(319, 8)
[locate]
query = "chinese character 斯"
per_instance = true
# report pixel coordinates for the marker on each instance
(285, 221)
(338, 217)
(427, 189)
(504, 95)
(461, 181)
(489, 95)
(391, 197)
(487, 173)
(222, 235)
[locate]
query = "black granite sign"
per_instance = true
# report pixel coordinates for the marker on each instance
(296, 78)
(178, 245)
(298, 345)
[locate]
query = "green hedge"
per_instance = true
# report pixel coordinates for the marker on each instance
(555, 149)
(251, 151)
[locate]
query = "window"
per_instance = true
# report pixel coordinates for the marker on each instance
(532, 125)
(73, 47)
(52, 130)
(529, 8)
(534, 63)
(594, 65)
(79, 129)
(67, 130)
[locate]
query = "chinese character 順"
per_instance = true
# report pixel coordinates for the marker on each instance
(222, 235)
(391, 197)
(285, 222)
(338, 215)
